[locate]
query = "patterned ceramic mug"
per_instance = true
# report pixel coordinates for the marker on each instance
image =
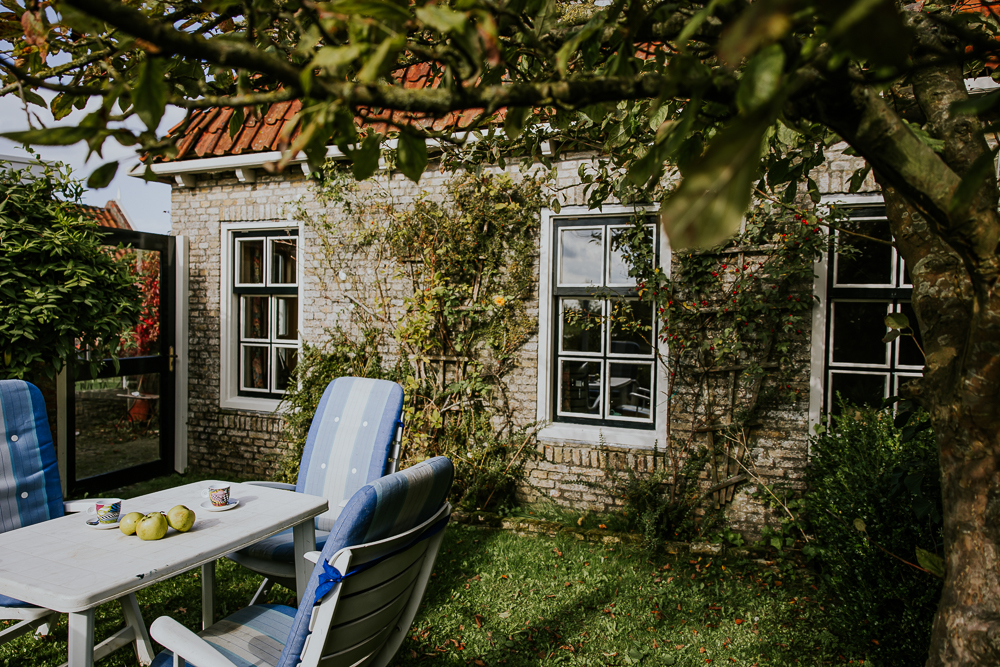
(107, 510)
(218, 494)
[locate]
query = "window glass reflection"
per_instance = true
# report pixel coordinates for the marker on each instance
(255, 317)
(863, 261)
(286, 359)
(858, 389)
(580, 384)
(581, 256)
(254, 369)
(631, 325)
(582, 325)
(286, 317)
(283, 261)
(858, 330)
(630, 390)
(251, 262)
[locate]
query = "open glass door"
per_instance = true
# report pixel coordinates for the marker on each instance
(121, 424)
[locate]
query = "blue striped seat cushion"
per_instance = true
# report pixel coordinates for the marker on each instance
(252, 637)
(13, 602)
(280, 548)
(29, 474)
(349, 440)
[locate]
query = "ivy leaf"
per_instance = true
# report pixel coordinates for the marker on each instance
(931, 562)
(103, 175)
(150, 92)
(411, 152)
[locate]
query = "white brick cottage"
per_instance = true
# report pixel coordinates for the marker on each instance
(244, 239)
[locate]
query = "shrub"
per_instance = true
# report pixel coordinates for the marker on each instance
(874, 498)
(60, 287)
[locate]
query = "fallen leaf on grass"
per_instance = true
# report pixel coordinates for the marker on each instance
(737, 621)
(505, 614)
(479, 621)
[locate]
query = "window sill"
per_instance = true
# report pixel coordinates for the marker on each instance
(594, 435)
(246, 404)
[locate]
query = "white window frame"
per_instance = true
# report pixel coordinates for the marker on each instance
(819, 349)
(229, 321)
(586, 433)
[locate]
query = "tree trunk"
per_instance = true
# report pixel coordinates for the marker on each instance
(960, 327)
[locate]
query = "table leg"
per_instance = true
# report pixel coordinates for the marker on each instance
(304, 540)
(133, 617)
(207, 594)
(81, 638)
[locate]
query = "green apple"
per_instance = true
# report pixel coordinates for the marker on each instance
(129, 522)
(152, 527)
(180, 518)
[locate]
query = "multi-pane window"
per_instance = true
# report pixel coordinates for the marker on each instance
(865, 284)
(605, 366)
(266, 290)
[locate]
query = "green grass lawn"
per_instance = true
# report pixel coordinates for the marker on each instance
(497, 598)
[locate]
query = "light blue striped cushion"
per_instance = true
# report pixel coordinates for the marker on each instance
(29, 475)
(252, 636)
(280, 548)
(349, 440)
(388, 506)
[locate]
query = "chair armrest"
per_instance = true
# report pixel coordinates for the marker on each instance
(187, 644)
(274, 485)
(311, 556)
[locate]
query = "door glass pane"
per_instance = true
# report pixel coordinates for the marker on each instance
(582, 325)
(581, 256)
(618, 267)
(285, 360)
(117, 423)
(254, 371)
(631, 327)
(909, 353)
(865, 262)
(857, 389)
(580, 386)
(286, 317)
(250, 265)
(858, 329)
(630, 390)
(255, 317)
(144, 338)
(282, 261)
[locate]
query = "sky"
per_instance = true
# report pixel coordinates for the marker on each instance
(147, 204)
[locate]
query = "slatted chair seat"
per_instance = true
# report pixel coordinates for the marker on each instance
(353, 439)
(362, 595)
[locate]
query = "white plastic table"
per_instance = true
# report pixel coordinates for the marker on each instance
(65, 565)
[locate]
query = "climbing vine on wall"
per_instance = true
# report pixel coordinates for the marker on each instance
(454, 338)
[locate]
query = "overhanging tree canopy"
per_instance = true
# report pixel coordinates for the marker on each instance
(722, 91)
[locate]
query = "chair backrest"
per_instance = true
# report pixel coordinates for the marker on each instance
(349, 441)
(30, 491)
(386, 541)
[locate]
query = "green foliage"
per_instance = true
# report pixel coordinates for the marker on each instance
(456, 338)
(874, 500)
(60, 289)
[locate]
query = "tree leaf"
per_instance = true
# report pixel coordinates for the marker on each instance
(382, 59)
(762, 79)
(442, 18)
(513, 122)
(859, 525)
(760, 23)
(897, 321)
(103, 175)
(50, 136)
(411, 153)
(335, 58)
(710, 202)
(891, 336)
(931, 562)
(364, 159)
(150, 92)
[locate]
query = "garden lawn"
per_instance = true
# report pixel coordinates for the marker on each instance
(497, 598)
